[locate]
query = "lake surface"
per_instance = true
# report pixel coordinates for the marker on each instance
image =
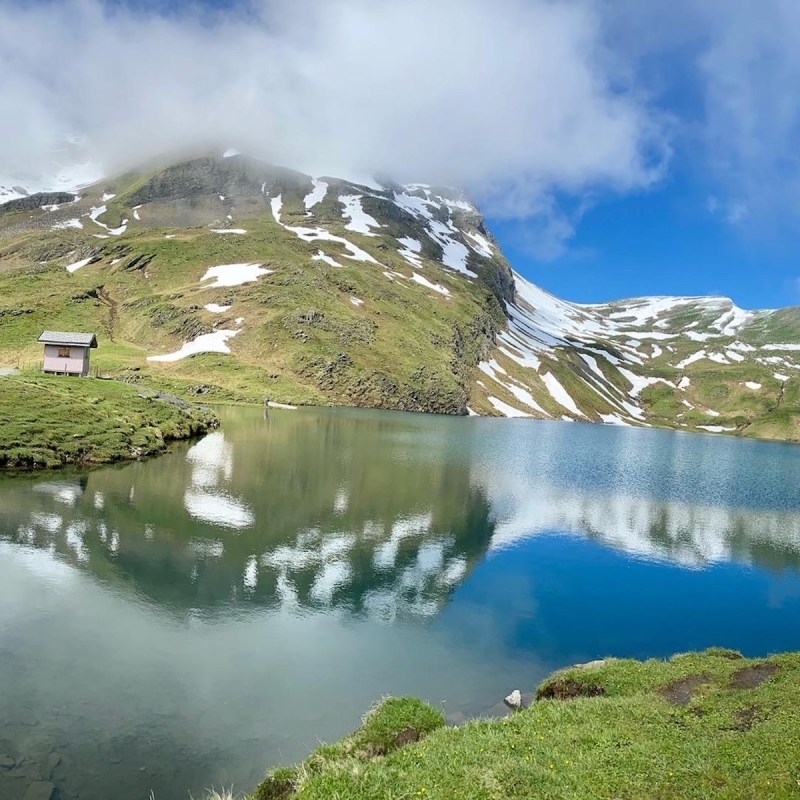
(195, 619)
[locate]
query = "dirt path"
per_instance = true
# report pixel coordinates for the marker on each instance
(105, 298)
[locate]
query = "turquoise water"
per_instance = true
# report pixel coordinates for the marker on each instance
(195, 619)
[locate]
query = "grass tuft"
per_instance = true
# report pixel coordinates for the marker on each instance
(736, 735)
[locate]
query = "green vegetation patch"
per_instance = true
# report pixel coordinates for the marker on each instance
(53, 421)
(697, 726)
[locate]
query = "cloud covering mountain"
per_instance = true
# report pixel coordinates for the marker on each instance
(511, 98)
(523, 102)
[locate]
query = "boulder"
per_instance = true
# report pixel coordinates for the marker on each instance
(514, 700)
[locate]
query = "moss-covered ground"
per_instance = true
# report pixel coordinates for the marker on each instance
(708, 725)
(51, 421)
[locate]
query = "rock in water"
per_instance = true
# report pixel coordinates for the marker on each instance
(40, 790)
(6, 762)
(53, 760)
(514, 700)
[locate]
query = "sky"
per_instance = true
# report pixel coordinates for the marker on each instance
(617, 147)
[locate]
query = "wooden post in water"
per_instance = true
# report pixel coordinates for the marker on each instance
(266, 407)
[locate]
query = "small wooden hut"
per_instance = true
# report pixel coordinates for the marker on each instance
(67, 353)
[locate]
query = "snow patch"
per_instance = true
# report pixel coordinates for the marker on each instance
(423, 281)
(411, 251)
(715, 428)
(454, 253)
(78, 265)
(360, 221)
(560, 394)
(216, 342)
(234, 274)
(613, 419)
(481, 244)
(70, 223)
(95, 212)
(319, 234)
(320, 256)
(316, 195)
(216, 309)
(505, 409)
(698, 356)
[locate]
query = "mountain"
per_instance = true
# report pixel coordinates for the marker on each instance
(234, 279)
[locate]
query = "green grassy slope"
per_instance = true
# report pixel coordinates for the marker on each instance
(302, 338)
(709, 725)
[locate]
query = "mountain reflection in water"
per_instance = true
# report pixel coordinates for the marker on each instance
(221, 609)
(384, 514)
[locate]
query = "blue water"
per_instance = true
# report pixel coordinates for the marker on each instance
(195, 619)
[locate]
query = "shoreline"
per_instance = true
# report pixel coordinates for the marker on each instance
(49, 423)
(727, 725)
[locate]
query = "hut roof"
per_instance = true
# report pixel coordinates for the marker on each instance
(69, 338)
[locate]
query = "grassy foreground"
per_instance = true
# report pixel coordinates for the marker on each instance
(51, 421)
(696, 726)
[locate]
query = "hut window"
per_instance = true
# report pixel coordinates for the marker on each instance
(63, 352)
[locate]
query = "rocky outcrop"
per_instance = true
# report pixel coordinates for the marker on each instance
(38, 200)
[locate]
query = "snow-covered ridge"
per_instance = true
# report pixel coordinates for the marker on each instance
(615, 342)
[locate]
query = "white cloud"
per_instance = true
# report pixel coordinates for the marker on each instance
(521, 102)
(727, 70)
(521, 94)
(750, 72)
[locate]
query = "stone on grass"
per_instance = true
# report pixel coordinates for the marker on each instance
(592, 664)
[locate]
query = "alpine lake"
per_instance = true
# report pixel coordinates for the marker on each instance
(190, 621)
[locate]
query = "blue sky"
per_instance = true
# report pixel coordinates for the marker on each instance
(663, 241)
(617, 147)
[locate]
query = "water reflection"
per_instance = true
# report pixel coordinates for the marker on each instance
(675, 532)
(384, 515)
(215, 611)
(206, 497)
(308, 512)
